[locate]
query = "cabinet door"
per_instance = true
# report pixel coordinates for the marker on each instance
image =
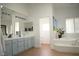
(25, 44)
(8, 48)
(32, 41)
(20, 45)
(29, 43)
(15, 47)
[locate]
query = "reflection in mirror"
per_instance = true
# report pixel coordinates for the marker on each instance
(3, 27)
(6, 21)
(16, 24)
(28, 26)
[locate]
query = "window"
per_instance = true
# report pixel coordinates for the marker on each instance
(70, 25)
(16, 27)
(76, 25)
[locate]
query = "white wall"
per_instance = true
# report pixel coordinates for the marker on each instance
(37, 11)
(63, 11)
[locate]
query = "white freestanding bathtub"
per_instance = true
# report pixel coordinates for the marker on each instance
(67, 45)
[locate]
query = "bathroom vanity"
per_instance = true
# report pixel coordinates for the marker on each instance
(17, 31)
(14, 46)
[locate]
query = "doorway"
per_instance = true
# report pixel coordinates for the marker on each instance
(44, 31)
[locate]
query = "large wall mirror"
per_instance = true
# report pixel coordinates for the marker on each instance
(6, 20)
(14, 23)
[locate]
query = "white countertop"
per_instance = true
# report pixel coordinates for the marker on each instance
(18, 37)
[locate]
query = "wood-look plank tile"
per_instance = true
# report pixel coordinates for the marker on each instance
(44, 50)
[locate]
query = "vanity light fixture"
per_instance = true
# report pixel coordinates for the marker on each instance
(5, 13)
(20, 17)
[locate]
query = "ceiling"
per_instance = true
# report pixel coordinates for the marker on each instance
(66, 4)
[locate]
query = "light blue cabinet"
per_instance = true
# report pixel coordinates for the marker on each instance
(32, 42)
(15, 46)
(8, 48)
(20, 45)
(29, 43)
(25, 44)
